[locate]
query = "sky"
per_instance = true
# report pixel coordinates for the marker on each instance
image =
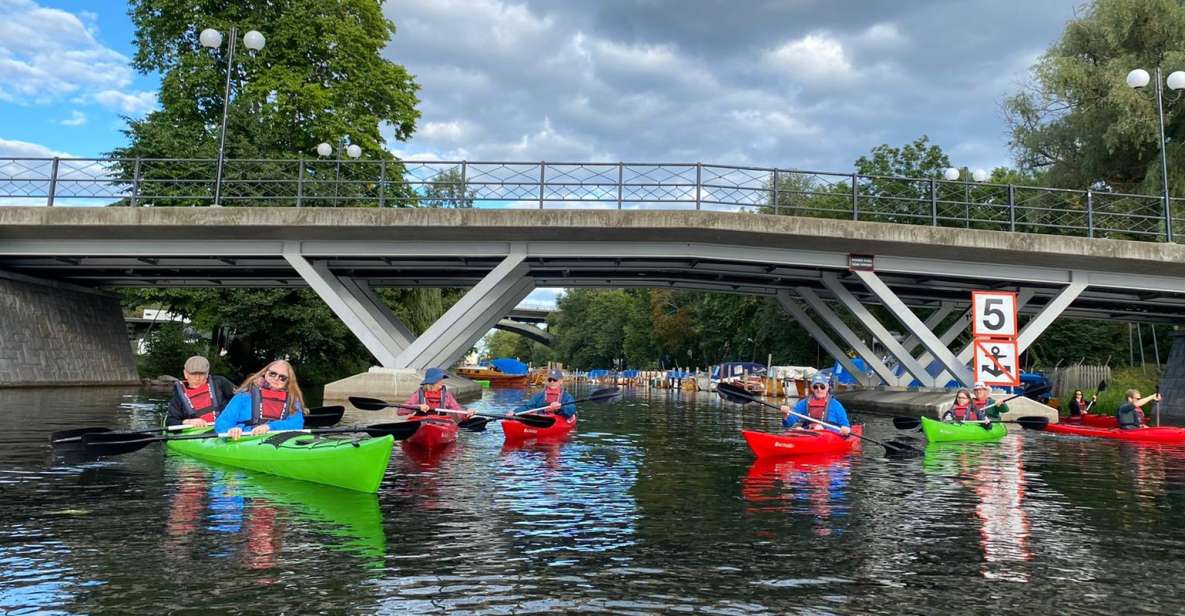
(799, 84)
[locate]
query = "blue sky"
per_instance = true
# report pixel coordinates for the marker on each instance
(805, 84)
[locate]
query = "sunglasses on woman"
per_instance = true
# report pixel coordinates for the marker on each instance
(272, 374)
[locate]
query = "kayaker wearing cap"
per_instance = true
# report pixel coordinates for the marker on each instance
(1130, 416)
(432, 394)
(200, 397)
(818, 405)
(268, 400)
(981, 402)
(557, 400)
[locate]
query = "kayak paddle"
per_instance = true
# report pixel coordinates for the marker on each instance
(734, 393)
(909, 423)
(316, 417)
(113, 443)
(478, 424)
(374, 404)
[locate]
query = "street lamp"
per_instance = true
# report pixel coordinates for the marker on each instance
(212, 39)
(324, 150)
(979, 175)
(1139, 78)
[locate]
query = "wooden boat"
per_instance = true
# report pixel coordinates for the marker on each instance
(496, 377)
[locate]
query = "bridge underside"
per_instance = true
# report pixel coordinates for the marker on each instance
(918, 272)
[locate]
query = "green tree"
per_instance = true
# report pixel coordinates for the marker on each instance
(448, 190)
(1080, 122)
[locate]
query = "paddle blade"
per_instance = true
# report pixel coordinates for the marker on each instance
(1102, 387)
(475, 424)
(603, 395)
(323, 416)
(73, 436)
(906, 423)
(535, 421)
(899, 448)
(368, 404)
(399, 430)
(733, 393)
(114, 444)
(1033, 423)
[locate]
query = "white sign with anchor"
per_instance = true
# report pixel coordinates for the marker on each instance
(997, 363)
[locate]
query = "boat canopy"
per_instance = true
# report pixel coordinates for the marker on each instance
(509, 366)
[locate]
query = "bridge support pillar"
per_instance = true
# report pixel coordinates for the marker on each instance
(799, 314)
(846, 334)
(882, 334)
(459, 328)
(356, 305)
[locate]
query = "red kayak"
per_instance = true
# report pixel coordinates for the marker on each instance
(519, 431)
(1091, 419)
(800, 442)
(1140, 435)
(434, 433)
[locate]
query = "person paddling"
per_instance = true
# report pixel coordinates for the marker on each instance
(200, 397)
(818, 405)
(1130, 416)
(1078, 405)
(962, 409)
(981, 402)
(432, 394)
(557, 400)
(268, 400)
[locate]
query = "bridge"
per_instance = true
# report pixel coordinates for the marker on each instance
(1079, 254)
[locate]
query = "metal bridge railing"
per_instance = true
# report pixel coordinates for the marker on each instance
(157, 182)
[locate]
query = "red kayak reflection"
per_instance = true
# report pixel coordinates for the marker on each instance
(815, 484)
(1004, 525)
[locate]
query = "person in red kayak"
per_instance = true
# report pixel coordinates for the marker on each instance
(1130, 416)
(1078, 404)
(557, 400)
(268, 401)
(200, 397)
(432, 394)
(818, 405)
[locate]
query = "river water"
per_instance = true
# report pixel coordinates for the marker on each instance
(654, 506)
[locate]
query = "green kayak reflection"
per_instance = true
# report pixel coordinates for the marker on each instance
(266, 510)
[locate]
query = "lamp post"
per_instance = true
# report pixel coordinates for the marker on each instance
(324, 150)
(952, 174)
(212, 39)
(1139, 78)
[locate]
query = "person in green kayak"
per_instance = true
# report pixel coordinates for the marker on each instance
(1130, 416)
(818, 405)
(981, 401)
(432, 394)
(554, 397)
(269, 400)
(961, 410)
(200, 397)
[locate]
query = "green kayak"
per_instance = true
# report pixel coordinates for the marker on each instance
(351, 462)
(949, 432)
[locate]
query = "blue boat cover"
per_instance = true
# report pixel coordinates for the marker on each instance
(510, 366)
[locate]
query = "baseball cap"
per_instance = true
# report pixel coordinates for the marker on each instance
(820, 379)
(433, 375)
(979, 385)
(197, 364)
(556, 374)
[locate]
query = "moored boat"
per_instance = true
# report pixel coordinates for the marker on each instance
(1162, 434)
(519, 431)
(351, 462)
(800, 442)
(501, 372)
(951, 432)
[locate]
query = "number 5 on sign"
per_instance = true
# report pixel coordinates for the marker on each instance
(993, 314)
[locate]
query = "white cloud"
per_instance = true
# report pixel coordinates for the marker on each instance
(881, 35)
(23, 149)
(815, 58)
(77, 118)
(136, 103)
(454, 130)
(48, 54)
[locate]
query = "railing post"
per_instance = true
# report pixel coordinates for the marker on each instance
(136, 183)
(465, 181)
(1011, 207)
(383, 182)
(699, 171)
(933, 203)
(300, 182)
(620, 183)
(855, 198)
(774, 194)
(542, 180)
(1089, 213)
(53, 182)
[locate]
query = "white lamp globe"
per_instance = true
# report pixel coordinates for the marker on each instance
(951, 174)
(210, 38)
(353, 151)
(980, 175)
(254, 40)
(1176, 80)
(324, 149)
(1138, 78)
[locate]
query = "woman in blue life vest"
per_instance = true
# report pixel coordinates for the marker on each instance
(557, 400)
(268, 400)
(818, 405)
(199, 397)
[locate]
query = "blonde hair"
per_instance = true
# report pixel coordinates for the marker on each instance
(293, 388)
(1132, 393)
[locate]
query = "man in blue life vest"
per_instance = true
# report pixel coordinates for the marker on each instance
(1130, 416)
(820, 405)
(557, 400)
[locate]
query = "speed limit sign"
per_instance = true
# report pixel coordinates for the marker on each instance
(993, 314)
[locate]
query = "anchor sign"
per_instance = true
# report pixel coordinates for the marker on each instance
(996, 362)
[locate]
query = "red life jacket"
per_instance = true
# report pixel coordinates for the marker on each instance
(961, 412)
(816, 407)
(199, 402)
(435, 399)
(552, 395)
(1140, 416)
(269, 405)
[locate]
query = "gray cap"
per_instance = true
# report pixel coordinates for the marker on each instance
(197, 364)
(556, 374)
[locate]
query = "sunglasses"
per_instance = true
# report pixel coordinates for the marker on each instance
(272, 374)
(818, 387)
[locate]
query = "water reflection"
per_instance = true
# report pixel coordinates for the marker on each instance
(814, 485)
